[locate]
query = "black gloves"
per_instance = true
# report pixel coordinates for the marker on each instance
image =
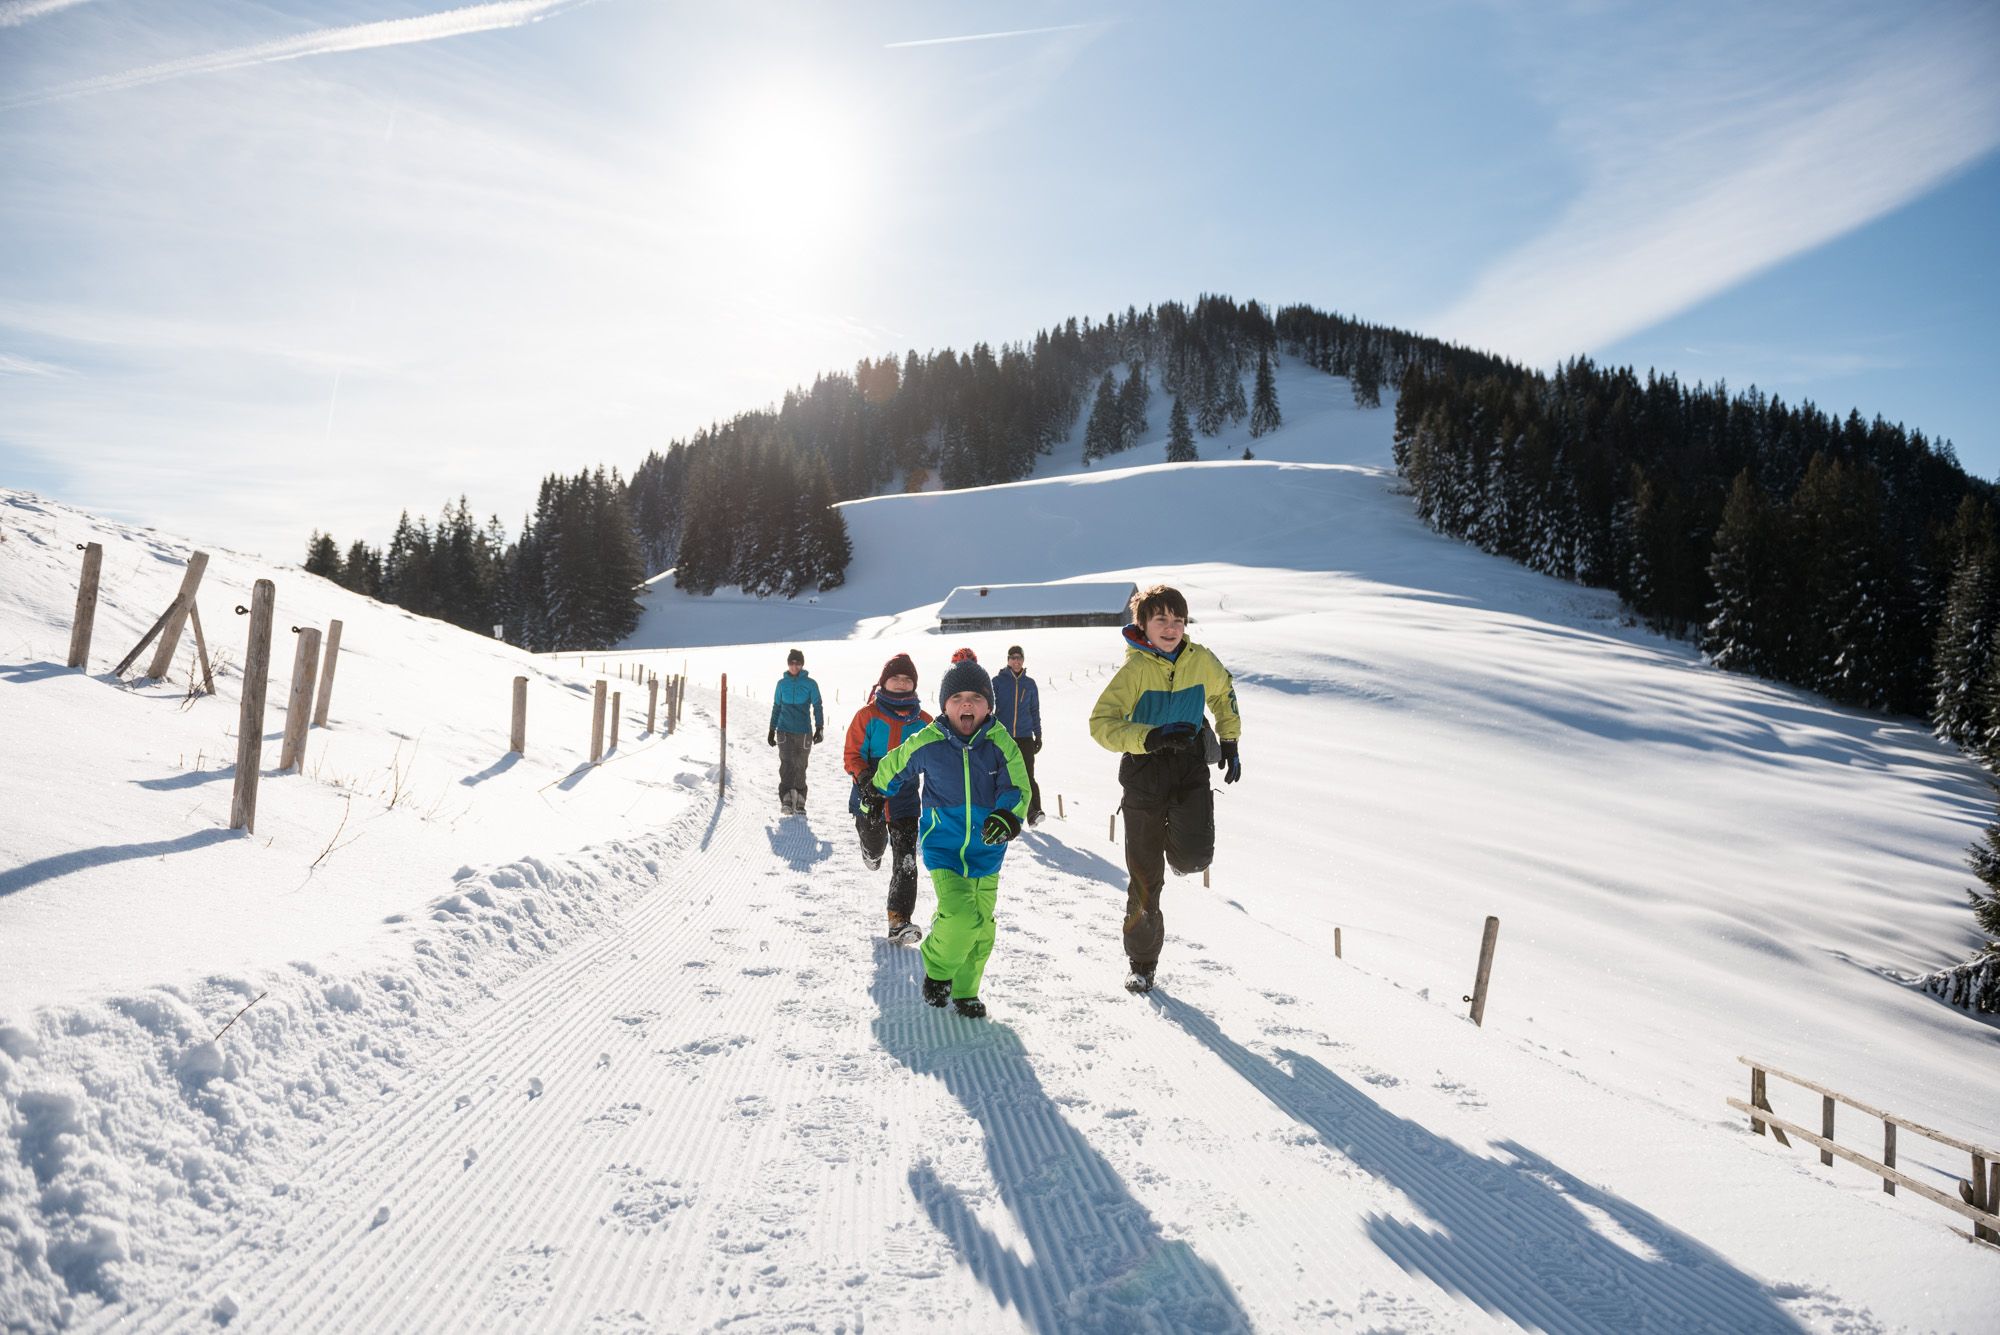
(771, 737)
(1033, 745)
(871, 800)
(1000, 827)
(818, 736)
(1231, 767)
(1170, 737)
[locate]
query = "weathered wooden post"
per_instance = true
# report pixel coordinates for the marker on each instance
(1113, 835)
(652, 706)
(1826, 1127)
(326, 674)
(250, 719)
(1757, 1097)
(1478, 997)
(517, 737)
(1059, 808)
(1336, 943)
(86, 605)
(617, 702)
(170, 634)
(201, 648)
(1888, 1154)
(1204, 878)
(597, 722)
(298, 709)
(722, 770)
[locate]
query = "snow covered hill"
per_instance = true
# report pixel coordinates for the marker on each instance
(560, 1047)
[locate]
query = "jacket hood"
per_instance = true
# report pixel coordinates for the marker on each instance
(1135, 640)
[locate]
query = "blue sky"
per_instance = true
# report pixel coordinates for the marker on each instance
(265, 268)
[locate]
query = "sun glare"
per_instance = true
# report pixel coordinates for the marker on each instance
(788, 173)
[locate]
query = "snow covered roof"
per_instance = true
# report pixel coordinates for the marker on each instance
(984, 601)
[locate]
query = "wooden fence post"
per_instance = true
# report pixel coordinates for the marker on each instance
(326, 674)
(250, 719)
(1826, 1127)
(201, 648)
(1978, 1199)
(617, 703)
(1336, 943)
(298, 709)
(1486, 944)
(86, 605)
(597, 721)
(170, 635)
(1888, 1155)
(722, 770)
(1113, 834)
(517, 737)
(652, 706)
(1757, 1097)
(1059, 808)
(1204, 878)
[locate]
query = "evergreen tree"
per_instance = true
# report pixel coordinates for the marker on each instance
(1984, 859)
(1264, 415)
(1233, 405)
(1180, 436)
(322, 556)
(1962, 658)
(1210, 401)
(362, 570)
(1740, 631)
(1100, 435)
(1132, 399)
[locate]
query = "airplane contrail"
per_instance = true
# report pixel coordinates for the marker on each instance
(987, 36)
(323, 41)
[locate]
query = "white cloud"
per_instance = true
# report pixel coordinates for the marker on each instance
(13, 13)
(1709, 155)
(320, 42)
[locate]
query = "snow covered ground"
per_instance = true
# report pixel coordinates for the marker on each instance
(555, 1047)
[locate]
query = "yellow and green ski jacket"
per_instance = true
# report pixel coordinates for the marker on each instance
(1151, 690)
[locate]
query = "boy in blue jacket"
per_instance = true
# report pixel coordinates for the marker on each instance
(798, 720)
(975, 796)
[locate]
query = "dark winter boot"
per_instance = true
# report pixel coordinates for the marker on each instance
(937, 991)
(972, 1008)
(903, 932)
(1139, 981)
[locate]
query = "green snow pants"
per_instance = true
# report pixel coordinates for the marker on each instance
(961, 934)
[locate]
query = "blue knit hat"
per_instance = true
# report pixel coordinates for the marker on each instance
(966, 676)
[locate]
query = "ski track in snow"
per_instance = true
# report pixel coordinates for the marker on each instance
(606, 1146)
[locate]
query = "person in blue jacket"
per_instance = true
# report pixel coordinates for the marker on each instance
(1017, 703)
(798, 720)
(975, 796)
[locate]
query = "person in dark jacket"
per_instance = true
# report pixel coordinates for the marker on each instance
(1017, 703)
(798, 720)
(879, 727)
(1152, 714)
(974, 800)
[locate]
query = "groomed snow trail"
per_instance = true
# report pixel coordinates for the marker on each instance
(734, 1112)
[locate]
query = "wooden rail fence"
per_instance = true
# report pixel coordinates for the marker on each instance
(1978, 1196)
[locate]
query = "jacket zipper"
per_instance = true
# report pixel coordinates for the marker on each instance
(965, 758)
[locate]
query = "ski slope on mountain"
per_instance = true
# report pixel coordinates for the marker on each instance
(554, 1046)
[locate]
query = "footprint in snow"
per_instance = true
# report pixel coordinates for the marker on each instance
(534, 1086)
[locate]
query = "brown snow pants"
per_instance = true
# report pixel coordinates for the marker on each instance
(1169, 821)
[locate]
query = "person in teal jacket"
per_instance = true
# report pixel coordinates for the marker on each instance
(798, 720)
(975, 797)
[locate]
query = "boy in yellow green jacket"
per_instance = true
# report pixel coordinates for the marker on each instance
(1152, 712)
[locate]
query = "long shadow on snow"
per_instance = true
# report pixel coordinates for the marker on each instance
(792, 839)
(62, 864)
(1101, 1262)
(1512, 1236)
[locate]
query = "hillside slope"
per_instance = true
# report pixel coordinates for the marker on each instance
(559, 1046)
